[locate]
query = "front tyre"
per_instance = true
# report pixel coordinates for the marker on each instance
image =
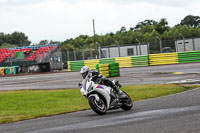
(98, 106)
(127, 103)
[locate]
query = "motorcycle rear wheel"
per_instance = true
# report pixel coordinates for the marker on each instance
(98, 106)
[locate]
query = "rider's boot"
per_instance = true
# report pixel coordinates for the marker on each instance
(119, 92)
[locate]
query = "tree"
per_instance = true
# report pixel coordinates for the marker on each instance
(123, 29)
(1, 38)
(16, 38)
(191, 21)
(44, 42)
(54, 42)
(162, 26)
(19, 39)
(163, 22)
(146, 29)
(144, 23)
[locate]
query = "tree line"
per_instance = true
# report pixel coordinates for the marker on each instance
(16, 39)
(145, 31)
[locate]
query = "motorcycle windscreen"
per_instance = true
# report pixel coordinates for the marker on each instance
(84, 83)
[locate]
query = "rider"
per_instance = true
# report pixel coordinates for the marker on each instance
(98, 77)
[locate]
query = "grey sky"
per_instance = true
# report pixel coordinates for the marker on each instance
(63, 19)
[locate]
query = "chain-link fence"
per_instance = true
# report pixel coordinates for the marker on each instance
(136, 49)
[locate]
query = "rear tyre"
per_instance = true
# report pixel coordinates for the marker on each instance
(127, 103)
(98, 106)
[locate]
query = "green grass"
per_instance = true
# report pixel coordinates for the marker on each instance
(28, 104)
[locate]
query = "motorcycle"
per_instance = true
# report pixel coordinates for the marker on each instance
(102, 98)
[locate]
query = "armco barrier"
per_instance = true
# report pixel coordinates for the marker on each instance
(140, 61)
(188, 57)
(161, 59)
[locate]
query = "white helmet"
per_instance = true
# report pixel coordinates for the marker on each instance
(85, 71)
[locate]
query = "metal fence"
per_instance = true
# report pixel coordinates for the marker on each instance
(154, 47)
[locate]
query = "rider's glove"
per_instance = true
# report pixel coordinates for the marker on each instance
(100, 76)
(79, 85)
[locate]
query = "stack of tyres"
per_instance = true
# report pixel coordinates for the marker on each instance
(140, 61)
(104, 69)
(11, 70)
(107, 61)
(114, 70)
(75, 65)
(162, 59)
(97, 67)
(2, 71)
(14, 70)
(188, 57)
(124, 61)
(91, 63)
(7, 71)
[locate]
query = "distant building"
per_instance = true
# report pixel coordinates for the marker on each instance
(189, 45)
(122, 51)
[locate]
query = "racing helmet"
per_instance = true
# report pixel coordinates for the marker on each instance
(85, 71)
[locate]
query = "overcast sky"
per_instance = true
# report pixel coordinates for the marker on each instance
(59, 20)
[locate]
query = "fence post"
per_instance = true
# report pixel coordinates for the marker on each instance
(183, 42)
(160, 42)
(148, 45)
(118, 48)
(139, 45)
(136, 50)
(99, 48)
(176, 45)
(109, 52)
(67, 54)
(193, 44)
(83, 55)
(90, 51)
(74, 54)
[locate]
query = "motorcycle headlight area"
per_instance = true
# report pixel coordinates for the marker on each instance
(90, 88)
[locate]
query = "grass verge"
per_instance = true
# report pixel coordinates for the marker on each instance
(28, 104)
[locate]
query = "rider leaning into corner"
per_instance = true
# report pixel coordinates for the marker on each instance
(99, 78)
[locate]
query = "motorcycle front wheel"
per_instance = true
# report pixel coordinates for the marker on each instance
(98, 106)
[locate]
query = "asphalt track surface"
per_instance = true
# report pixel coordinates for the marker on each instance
(169, 114)
(129, 76)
